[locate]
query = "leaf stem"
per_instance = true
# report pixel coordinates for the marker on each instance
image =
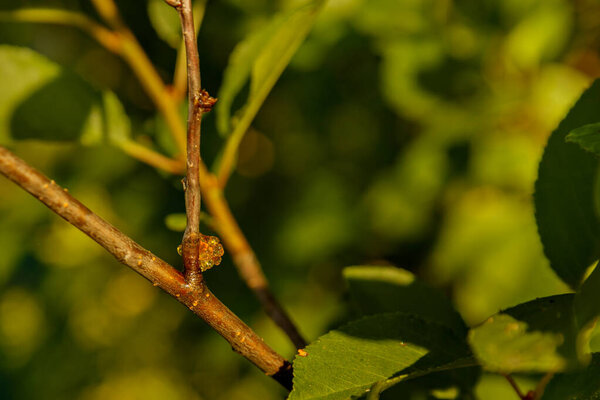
(152, 158)
(200, 300)
(515, 386)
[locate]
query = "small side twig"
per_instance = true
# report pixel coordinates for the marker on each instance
(516, 387)
(244, 258)
(200, 300)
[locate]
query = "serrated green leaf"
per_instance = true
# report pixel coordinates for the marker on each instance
(263, 55)
(587, 136)
(348, 361)
(379, 289)
(537, 336)
(564, 195)
(42, 101)
(165, 21)
(578, 385)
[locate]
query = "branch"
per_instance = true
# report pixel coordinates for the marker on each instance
(198, 299)
(195, 259)
(180, 76)
(243, 256)
(199, 179)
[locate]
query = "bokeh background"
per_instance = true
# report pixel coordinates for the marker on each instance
(403, 132)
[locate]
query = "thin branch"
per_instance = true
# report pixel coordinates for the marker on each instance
(515, 386)
(199, 179)
(243, 256)
(200, 300)
(196, 105)
(107, 38)
(180, 75)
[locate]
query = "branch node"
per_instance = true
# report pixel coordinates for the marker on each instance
(204, 101)
(174, 3)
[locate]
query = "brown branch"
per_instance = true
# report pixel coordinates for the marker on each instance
(198, 178)
(192, 236)
(243, 256)
(198, 299)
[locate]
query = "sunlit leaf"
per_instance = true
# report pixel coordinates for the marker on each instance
(263, 56)
(536, 336)
(42, 101)
(378, 289)
(348, 361)
(564, 195)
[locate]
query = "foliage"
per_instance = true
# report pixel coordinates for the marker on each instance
(383, 132)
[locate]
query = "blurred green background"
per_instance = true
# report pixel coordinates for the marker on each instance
(403, 132)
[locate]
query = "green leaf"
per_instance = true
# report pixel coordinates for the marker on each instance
(564, 195)
(536, 336)
(42, 101)
(165, 21)
(263, 55)
(348, 361)
(587, 309)
(378, 289)
(578, 385)
(587, 136)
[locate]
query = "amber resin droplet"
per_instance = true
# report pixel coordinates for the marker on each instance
(180, 250)
(211, 251)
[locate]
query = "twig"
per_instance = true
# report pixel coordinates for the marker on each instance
(200, 300)
(541, 386)
(199, 101)
(151, 157)
(136, 57)
(180, 76)
(200, 180)
(102, 35)
(244, 257)
(515, 386)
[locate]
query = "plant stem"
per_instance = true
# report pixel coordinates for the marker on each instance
(107, 38)
(152, 158)
(243, 256)
(180, 76)
(191, 236)
(200, 300)
(515, 386)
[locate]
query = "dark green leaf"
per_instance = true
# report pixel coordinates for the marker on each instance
(348, 361)
(537, 336)
(587, 309)
(42, 101)
(263, 55)
(587, 136)
(564, 195)
(578, 385)
(378, 289)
